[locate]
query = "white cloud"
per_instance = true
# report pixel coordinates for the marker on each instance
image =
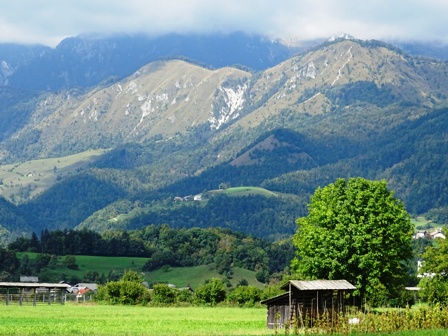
(48, 21)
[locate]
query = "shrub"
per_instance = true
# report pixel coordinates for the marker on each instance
(212, 292)
(245, 295)
(70, 262)
(185, 296)
(128, 291)
(162, 293)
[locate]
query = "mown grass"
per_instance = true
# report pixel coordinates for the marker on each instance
(92, 319)
(72, 319)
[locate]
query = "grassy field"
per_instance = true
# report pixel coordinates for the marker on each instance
(244, 191)
(253, 191)
(77, 319)
(179, 276)
(119, 320)
(421, 223)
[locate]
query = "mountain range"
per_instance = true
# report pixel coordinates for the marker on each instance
(106, 147)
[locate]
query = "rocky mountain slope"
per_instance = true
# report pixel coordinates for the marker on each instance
(88, 60)
(173, 128)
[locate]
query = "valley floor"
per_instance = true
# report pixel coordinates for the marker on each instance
(77, 319)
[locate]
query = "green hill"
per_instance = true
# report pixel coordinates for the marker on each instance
(116, 266)
(195, 276)
(343, 109)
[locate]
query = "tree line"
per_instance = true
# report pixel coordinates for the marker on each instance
(163, 245)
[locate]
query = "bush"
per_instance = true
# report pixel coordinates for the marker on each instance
(434, 290)
(212, 292)
(245, 295)
(70, 262)
(128, 291)
(185, 296)
(271, 291)
(162, 293)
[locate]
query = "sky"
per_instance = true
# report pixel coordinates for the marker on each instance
(49, 21)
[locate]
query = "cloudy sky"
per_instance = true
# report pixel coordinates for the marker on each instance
(49, 21)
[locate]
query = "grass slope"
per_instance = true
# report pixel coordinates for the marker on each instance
(245, 191)
(195, 276)
(421, 223)
(255, 191)
(89, 263)
(179, 276)
(22, 181)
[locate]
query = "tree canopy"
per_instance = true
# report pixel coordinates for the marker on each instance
(358, 231)
(434, 283)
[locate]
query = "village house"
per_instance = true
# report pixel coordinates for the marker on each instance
(437, 233)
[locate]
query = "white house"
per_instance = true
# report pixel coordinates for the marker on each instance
(437, 234)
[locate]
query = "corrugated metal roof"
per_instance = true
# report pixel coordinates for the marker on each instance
(319, 285)
(283, 295)
(33, 285)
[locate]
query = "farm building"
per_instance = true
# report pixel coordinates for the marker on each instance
(32, 292)
(304, 300)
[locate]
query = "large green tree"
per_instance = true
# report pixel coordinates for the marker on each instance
(358, 231)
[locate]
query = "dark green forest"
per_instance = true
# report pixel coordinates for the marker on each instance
(411, 156)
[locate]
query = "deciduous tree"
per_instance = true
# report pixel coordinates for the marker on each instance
(358, 231)
(434, 283)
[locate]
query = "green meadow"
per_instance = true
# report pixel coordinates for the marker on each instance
(195, 276)
(179, 276)
(74, 319)
(21, 181)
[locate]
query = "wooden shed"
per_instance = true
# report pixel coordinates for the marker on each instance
(304, 300)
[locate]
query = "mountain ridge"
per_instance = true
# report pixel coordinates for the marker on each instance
(345, 108)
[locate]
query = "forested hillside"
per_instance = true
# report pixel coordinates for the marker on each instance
(174, 129)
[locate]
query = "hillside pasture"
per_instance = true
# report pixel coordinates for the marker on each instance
(179, 276)
(102, 265)
(195, 276)
(422, 223)
(22, 181)
(245, 191)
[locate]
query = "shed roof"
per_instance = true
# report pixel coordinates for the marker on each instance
(275, 298)
(92, 286)
(32, 285)
(319, 285)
